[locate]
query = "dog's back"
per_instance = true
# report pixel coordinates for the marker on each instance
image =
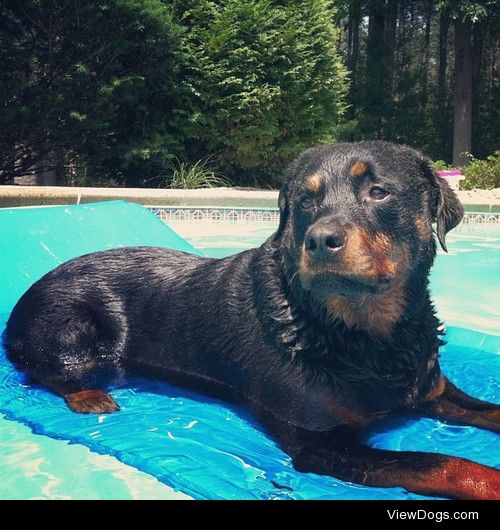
(86, 312)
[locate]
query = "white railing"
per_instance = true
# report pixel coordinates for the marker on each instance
(265, 215)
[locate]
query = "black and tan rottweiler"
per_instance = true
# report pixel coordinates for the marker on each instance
(325, 328)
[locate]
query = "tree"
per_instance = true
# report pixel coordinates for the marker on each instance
(462, 101)
(266, 81)
(466, 14)
(441, 114)
(110, 91)
(416, 66)
(88, 83)
(376, 75)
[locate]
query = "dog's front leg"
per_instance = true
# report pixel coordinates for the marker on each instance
(451, 403)
(424, 473)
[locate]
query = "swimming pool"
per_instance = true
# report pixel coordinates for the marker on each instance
(213, 456)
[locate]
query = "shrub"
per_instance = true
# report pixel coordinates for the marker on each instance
(266, 80)
(184, 175)
(483, 174)
(93, 83)
(439, 165)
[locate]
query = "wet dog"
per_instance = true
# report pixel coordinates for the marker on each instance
(325, 328)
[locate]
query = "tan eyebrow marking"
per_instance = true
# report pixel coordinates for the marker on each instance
(314, 183)
(358, 168)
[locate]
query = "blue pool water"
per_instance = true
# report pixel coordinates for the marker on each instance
(165, 436)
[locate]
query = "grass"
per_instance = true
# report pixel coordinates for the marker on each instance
(186, 176)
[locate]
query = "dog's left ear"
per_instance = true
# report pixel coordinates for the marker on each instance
(445, 207)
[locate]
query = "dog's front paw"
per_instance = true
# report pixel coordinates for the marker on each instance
(91, 402)
(314, 460)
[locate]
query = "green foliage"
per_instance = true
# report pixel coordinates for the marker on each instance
(112, 87)
(265, 78)
(105, 92)
(97, 81)
(439, 165)
(479, 174)
(468, 9)
(184, 175)
(483, 174)
(401, 57)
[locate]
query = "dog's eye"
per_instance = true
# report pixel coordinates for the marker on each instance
(306, 203)
(377, 193)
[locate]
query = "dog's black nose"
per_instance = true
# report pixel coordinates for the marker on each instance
(323, 240)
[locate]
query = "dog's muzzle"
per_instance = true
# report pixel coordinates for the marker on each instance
(323, 240)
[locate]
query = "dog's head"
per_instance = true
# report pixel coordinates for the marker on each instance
(356, 219)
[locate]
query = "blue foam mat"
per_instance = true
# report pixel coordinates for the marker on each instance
(33, 241)
(204, 447)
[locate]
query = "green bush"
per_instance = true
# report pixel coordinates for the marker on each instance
(93, 83)
(483, 174)
(439, 165)
(193, 176)
(110, 89)
(266, 81)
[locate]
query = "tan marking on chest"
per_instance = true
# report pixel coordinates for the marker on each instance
(375, 313)
(348, 416)
(437, 390)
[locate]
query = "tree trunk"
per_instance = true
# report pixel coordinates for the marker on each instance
(402, 33)
(408, 44)
(375, 97)
(462, 100)
(477, 54)
(444, 25)
(354, 22)
(390, 47)
(427, 40)
(491, 84)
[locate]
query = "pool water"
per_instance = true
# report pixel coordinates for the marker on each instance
(167, 439)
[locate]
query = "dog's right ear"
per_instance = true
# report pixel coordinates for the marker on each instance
(284, 209)
(283, 198)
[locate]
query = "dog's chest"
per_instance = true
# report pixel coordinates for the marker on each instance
(378, 379)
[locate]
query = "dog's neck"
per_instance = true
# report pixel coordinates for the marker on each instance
(377, 314)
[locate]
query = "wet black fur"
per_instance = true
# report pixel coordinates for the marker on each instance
(242, 326)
